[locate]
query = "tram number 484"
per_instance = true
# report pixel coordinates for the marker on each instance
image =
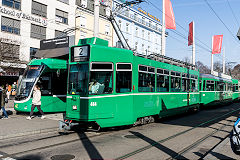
(93, 104)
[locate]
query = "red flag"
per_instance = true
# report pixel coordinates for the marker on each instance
(217, 44)
(190, 34)
(169, 15)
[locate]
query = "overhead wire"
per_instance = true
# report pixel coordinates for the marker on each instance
(208, 49)
(234, 15)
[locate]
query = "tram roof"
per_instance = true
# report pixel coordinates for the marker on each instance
(214, 77)
(52, 63)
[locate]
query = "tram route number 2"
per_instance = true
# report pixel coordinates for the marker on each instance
(80, 51)
(93, 104)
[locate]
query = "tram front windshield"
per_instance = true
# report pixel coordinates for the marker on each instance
(28, 80)
(78, 79)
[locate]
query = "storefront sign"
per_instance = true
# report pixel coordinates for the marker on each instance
(11, 41)
(21, 15)
(148, 14)
(60, 42)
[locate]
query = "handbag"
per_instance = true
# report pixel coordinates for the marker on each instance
(6, 100)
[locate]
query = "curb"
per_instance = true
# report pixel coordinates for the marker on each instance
(47, 130)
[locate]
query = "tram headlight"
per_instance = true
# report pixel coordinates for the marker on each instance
(74, 107)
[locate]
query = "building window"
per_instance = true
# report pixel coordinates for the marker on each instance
(9, 51)
(64, 1)
(39, 9)
(60, 33)
(83, 21)
(12, 3)
(120, 24)
(136, 46)
(10, 25)
(127, 27)
(149, 51)
(82, 35)
(136, 32)
(61, 16)
(38, 32)
(143, 33)
(107, 29)
(33, 51)
(143, 49)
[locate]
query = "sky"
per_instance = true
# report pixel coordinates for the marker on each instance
(206, 25)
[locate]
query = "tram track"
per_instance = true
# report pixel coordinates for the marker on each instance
(186, 149)
(131, 153)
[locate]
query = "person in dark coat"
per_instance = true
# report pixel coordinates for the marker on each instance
(3, 98)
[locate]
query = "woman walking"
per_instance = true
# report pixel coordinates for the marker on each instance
(36, 102)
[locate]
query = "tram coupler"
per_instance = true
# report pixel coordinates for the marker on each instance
(66, 125)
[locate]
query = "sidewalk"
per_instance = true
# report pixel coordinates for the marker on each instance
(18, 125)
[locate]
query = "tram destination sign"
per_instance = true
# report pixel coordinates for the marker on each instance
(80, 53)
(60, 42)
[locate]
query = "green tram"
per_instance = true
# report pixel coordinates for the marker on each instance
(236, 93)
(215, 90)
(51, 75)
(112, 87)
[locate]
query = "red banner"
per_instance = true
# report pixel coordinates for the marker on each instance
(217, 44)
(169, 15)
(190, 34)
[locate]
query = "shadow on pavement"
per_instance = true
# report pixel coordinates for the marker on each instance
(158, 145)
(30, 157)
(205, 117)
(89, 146)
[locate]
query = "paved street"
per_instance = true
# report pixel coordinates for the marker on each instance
(190, 136)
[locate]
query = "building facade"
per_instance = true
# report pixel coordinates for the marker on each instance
(141, 30)
(24, 23)
(85, 21)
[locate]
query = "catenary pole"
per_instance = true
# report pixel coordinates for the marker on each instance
(96, 18)
(163, 28)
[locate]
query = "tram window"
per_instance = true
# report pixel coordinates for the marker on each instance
(101, 78)
(160, 71)
(102, 66)
(184, 85)
(123, 78)
(78, 79)
(166, 72)
(142, 68)
(146, 80)
(162, 83)
(217, 86)
(200, 85)
(59, 85)
(45, 82)
(221, 86)
(204, 86)
(194, 87)
(175, 84)
(150, 69)
(210, 86)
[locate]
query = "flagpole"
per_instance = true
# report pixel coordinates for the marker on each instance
(212, 58)
(163, 29)
(224, 61)
(193, 45)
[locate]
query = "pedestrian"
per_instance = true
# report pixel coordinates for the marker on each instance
(3, 100)
(36, 102)
(9, 89)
